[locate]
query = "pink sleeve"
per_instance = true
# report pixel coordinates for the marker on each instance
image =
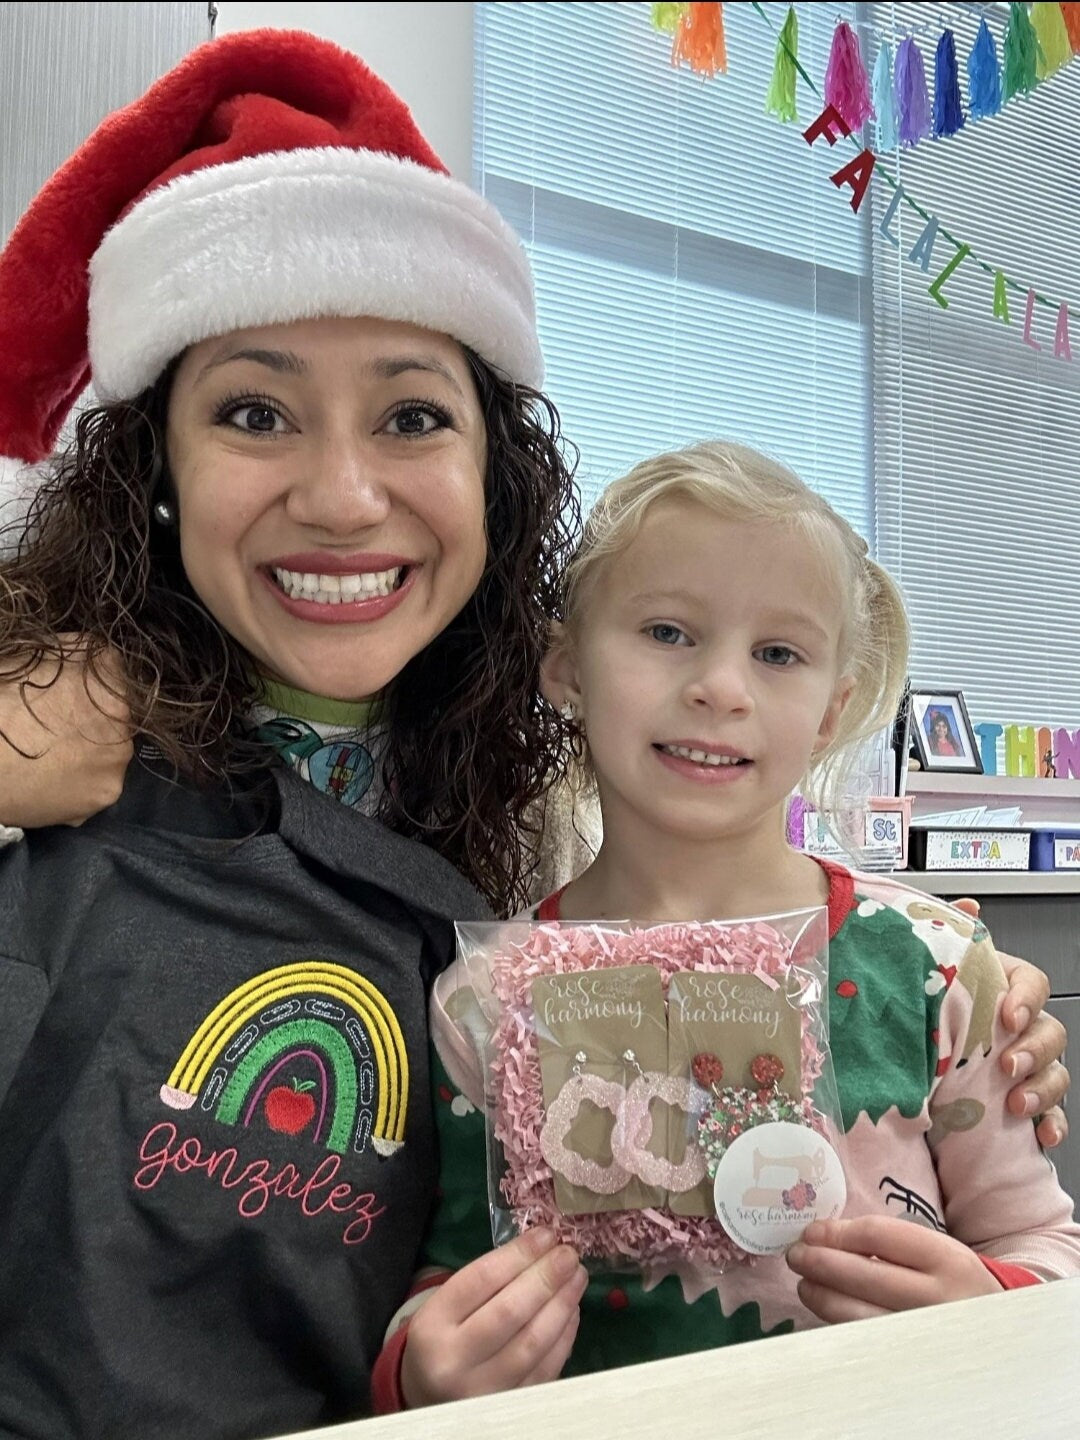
(1001, 1193)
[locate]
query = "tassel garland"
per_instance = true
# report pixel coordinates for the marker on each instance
(666, 17)
(700, 40)
(1070, 13)
(1021, 50)
(780, 101)
(912, 98)
(847, 89)
(884, 98)
(984, 77)
(1036, 45)
(948, 111)
(1054, 49)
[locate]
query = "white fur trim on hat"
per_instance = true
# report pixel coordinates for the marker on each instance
(300, 234)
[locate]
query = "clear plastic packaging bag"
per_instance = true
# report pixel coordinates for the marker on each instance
(658, 1095)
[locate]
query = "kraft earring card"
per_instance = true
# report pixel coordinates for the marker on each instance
(732, 1025)
(587, 1025)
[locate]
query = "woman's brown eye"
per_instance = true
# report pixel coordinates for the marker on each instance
(253, 419)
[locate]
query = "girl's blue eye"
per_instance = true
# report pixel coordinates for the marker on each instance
(781, 655)
(668, 634)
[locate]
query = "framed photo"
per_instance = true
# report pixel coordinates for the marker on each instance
(941, 731)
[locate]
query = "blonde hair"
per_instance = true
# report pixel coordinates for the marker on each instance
(738, 483)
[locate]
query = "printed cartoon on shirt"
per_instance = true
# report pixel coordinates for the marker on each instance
(341, 767)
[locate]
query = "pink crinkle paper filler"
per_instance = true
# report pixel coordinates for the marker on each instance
(639, 1237)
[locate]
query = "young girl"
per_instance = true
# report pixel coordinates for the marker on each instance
(319, 513)
(726, 632)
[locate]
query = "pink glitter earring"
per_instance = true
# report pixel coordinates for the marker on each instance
(588, 1174)
(634, 1124)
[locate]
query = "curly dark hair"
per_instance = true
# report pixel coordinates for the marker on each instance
(471, 745)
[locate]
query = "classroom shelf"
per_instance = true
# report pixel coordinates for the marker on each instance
(924, 782)
(993, 882)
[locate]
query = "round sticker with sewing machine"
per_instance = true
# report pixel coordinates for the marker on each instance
(772, 1181)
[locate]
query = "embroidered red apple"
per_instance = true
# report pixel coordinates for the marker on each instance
(289, 1108)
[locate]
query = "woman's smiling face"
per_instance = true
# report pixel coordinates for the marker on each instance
(329, 476)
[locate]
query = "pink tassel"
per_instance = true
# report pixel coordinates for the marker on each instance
(847, 87)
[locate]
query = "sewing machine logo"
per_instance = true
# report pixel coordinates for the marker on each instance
(772, 1181)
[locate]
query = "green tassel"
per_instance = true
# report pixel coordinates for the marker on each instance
(666, 17)
(780, 101)
(1021, 50)
(1054, 49)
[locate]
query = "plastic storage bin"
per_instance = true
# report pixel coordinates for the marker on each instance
(1055, 849)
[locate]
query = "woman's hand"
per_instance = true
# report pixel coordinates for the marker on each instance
(1034, 1059)
(854, 1269)
(508, 1319)
(78, 732)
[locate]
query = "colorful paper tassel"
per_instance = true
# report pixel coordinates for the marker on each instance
(666, 17)
(884, 98)
(912, 98)
(700, 40)
(948, 110)
(984, 77)
(1021, 50)
(1054, 49)
(847, 88)
(780, 101)
(1070, 13)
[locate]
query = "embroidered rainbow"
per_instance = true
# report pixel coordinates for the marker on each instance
(326, 1016)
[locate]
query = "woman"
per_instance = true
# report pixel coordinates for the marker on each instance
(318, 515)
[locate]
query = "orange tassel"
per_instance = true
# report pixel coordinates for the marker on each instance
(700, 41)
(1071, 12)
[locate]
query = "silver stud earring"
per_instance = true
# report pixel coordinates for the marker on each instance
(567, 710)
(164, 514)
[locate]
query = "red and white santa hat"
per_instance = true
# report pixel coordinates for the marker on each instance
(269, 177)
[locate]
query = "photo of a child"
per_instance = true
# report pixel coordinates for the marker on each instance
(942, 733)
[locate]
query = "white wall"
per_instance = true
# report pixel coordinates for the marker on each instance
(425, 51)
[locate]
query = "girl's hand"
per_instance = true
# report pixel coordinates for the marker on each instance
(1034, 1059)
(506, 1320)
(853, 1269)
(82, 752)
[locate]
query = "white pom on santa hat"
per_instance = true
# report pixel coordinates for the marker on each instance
(268, 178)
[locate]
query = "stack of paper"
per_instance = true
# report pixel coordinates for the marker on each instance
(974, 817)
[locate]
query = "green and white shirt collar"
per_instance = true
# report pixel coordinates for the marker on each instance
(337, 745)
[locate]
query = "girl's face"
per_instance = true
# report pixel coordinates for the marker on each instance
(329, 476)
(705, 671)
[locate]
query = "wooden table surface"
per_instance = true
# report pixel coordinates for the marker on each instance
(1001, 1366)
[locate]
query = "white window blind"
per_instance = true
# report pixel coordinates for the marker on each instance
(697, 274)
(977, 436)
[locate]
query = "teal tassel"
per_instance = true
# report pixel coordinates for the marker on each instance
(884, 98)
